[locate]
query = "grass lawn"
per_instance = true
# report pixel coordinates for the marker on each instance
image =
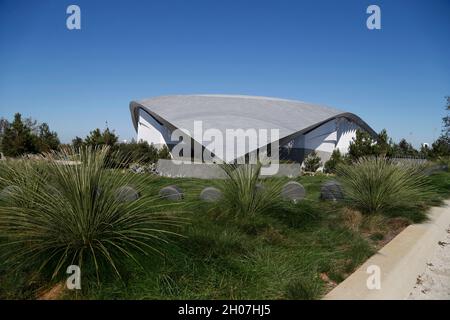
(300, 254)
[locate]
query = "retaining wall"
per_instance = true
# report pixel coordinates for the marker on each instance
(167, 168)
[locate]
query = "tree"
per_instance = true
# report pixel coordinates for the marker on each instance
(382, 145)
(164, 153)
(404, 148)
(77, 143)
(109, 137)
(94, 138)
(361, 145)
(425, 151)
(335, 159)
(364, 144)
(48, 140)
(3, 125)
(18, 139)
(32, 124)
(446, 120)
(140, 152)
(312, 162)
(27, 136)
(97, 138)
(441, 147)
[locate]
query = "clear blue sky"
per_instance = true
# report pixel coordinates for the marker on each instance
(316, 51)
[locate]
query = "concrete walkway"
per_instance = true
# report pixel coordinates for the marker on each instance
(414, 265)
(434, 282)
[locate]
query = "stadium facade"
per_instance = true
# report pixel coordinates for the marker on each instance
(302, 127)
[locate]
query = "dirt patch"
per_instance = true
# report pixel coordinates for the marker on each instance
(54, 293)
(329, 284)
(386, 231)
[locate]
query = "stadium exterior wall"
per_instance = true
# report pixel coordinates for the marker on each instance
(334, 132)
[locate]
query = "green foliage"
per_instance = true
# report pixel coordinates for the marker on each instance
(441, 187)
(364, 145)
(77, 143)
(383, 146)
(335, 159)
(440, 148)
(404, 149)
(312, 162)
(18, 138)
(25, 136)
(164, 153)
(375, 185)
(4, 123)
(245, 193)
(134, 152)
(425, 151)
(98, 138)
(47, 140)
(446, 120)
(222, 258)
(139, 152)
(58, 213)
(304, 288)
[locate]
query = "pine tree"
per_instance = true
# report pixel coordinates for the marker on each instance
(77, 143)
(48, 140)
(18, 139)
(97, 138)
(446, 120)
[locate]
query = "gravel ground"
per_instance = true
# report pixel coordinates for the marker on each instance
(434, 283)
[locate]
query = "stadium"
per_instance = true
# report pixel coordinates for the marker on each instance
(302, 127)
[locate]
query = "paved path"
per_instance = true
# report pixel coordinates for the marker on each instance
(414, 265)
(434, 282)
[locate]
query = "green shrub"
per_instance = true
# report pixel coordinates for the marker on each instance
(377, 236)
(335, 159)
(62, 213)
(245, 193)
(137, 152)
(376, 184)
(312, 162)
(164, 153)
(304, 288)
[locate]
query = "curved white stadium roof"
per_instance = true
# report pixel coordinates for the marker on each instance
(240, 112)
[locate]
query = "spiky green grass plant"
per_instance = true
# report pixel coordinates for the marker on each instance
(58, 213)
(375, 185)
(246, 194)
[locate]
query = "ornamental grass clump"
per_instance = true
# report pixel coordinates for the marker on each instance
(245, 194)
(57, 213)
(374, 185)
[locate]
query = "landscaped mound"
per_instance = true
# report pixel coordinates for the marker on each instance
(377, 184)
(56, 213)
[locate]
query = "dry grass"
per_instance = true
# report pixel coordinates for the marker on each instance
(54, 293)
(374, 223)
(351, 218)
